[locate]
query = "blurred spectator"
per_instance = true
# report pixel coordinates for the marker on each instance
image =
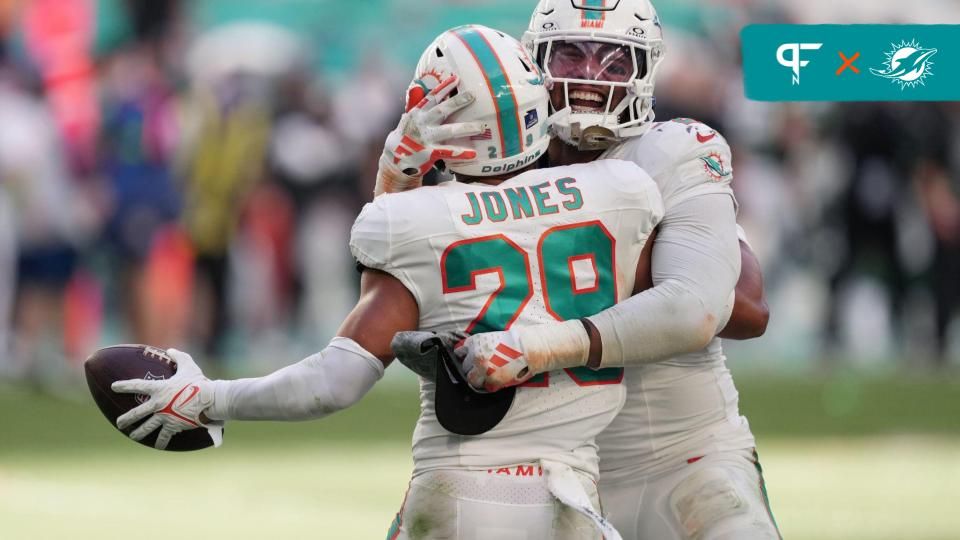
(230, 176)
(871, 135)
(365, 110)
(139, 137)
(59, 37)
(44, 218)
(310, 161)
(937, 175)
(224, 159)
(152, 19)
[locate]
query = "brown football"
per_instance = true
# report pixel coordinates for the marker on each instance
(121, 362)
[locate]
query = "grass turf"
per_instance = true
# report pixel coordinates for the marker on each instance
(845, 458)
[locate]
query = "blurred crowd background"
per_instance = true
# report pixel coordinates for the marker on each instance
(185, 173)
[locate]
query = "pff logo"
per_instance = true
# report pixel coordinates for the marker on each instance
(794, 62)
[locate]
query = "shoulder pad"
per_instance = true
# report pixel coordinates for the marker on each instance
(369, 236)
(687, 135)
(392, 220)
(668, 144)
(681, 155)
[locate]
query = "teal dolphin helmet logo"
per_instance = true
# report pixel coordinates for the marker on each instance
(907, 64)
(714, 166)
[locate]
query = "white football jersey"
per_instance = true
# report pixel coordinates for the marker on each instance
(548, 244)
(687, 406)
(684, 157)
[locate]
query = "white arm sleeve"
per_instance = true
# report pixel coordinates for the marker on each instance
(321, 384)
(696, 264)
(727, 312)
(742, 236)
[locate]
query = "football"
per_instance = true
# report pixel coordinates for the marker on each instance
(121, 362)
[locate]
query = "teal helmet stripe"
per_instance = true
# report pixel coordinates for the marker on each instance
(593, 14)
(501, 90)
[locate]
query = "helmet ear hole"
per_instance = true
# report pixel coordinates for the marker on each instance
(439, 53)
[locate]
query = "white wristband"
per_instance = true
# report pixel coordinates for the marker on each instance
(554, 346)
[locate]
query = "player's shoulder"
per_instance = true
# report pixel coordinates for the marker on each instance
(668, 144)
(679, 137)
(392, 219)
(680, 155)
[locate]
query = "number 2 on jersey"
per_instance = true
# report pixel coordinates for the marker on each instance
(558, 251)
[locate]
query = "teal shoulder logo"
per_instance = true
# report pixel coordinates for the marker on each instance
(907, 64)
(715, 167)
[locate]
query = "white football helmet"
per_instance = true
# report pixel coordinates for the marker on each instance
(615, 43)
(511, 101)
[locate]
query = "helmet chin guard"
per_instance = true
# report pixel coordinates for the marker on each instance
(598, 25)
(585, 131)
(594, 138)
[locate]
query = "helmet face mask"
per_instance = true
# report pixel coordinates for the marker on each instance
(511, 99)
(572, 60)
(620, 44)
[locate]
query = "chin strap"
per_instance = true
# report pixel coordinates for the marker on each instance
(591, 138)
(595, 138)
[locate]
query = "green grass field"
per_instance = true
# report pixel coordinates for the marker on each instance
(845, 459)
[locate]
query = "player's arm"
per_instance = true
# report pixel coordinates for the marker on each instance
(642, 282)
(336, 377)
(695, 266)
(696, 263)
(321, 384)
(750, 312)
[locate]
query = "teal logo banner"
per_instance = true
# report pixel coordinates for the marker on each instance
(859, 62)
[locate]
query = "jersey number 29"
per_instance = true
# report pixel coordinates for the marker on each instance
(558, 250)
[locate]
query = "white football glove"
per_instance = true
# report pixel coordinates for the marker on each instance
(495, 360)
(415, 146)
(176, 403)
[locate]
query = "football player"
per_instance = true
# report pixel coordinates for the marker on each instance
(506, 245)
(679, 460)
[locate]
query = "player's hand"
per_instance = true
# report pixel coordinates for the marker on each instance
(418, 142)
(176, 404)
(494, 360)
(419, 351)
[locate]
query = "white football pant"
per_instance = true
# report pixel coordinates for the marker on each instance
(717, 497)
(510, 503)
